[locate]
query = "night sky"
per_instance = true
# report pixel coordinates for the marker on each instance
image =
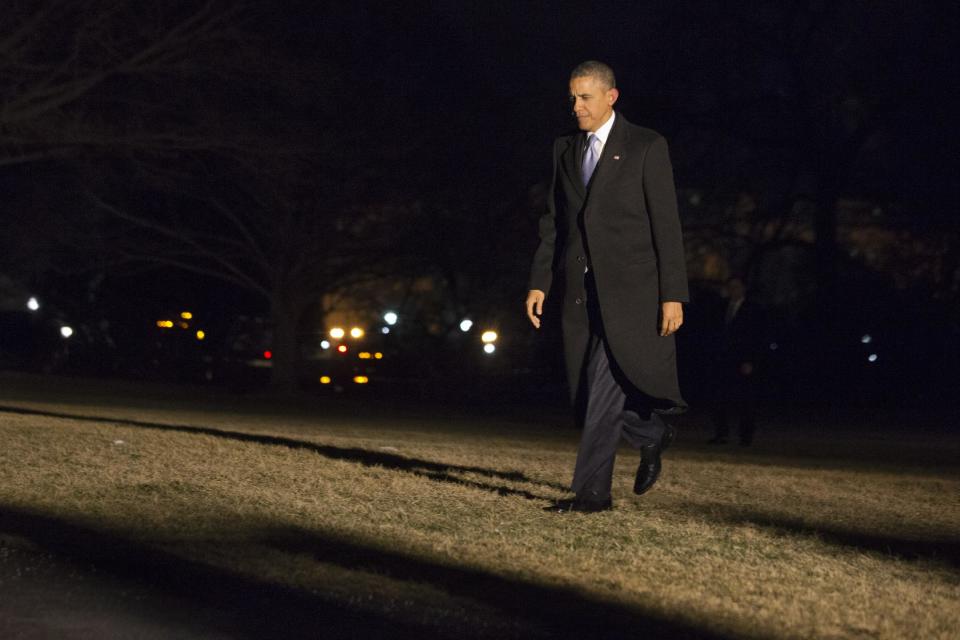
(478, 89)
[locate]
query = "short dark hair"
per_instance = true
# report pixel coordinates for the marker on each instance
(595, 69)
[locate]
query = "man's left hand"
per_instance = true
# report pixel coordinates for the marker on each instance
(671, 317)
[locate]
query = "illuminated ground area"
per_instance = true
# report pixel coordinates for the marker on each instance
(157, 515)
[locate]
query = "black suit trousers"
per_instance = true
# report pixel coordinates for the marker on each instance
(615, 409)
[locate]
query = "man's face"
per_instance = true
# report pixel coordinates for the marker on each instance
(591, 101)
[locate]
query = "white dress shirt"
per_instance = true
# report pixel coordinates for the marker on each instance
(602, 134)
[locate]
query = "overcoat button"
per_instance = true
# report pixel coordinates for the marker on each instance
(579, 301)
(580, 258)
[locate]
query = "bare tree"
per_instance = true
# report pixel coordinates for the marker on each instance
(274, 229)
(81, 79)
(798, 110)
(174, 122)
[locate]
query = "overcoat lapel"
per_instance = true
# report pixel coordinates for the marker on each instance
(570, 160)
(614, 153)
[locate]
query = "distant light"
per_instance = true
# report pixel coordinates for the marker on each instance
(385, 330)
(33, 304)
(201, 334)
(336, 333)
(342, 348)
(873, 357)
(390, 318)
(364, 355)
(465, 324)
(361, 379)
(186, 315)
(267, 355)
(489, 348)
(378, 355)
(774, 346)
(324, 344)
(66, 331)
(866, 339)
(325, 379)
(488, 337)
(356, 332)
(165, 324)
(183, 325)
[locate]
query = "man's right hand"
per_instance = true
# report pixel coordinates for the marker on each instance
(535, 306)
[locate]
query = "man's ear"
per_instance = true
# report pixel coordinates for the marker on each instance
(612, 96)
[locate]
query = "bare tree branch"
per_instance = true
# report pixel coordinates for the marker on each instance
(56, 61)
(182, 237)
(154, 259)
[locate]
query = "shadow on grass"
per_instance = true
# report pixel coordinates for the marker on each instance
(930, 460)
(943, 552)
(255, 608)
(266, 610)
(437, 471)
(554, 611)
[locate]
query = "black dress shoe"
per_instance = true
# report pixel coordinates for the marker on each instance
(649, 470)
(583, 506)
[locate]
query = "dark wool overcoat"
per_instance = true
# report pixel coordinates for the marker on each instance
(625, 226)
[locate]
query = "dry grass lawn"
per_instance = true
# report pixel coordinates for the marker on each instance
(437, 525)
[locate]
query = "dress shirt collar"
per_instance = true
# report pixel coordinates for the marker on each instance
(604, 131)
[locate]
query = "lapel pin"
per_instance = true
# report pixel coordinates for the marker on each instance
(616, 157)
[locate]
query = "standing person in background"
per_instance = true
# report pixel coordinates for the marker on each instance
(612, 232)
(741, 346)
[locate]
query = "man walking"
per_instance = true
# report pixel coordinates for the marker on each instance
(612, 233)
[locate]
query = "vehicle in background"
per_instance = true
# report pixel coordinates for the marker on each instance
(244, 360)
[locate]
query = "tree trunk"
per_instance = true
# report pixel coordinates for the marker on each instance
(285, 316)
